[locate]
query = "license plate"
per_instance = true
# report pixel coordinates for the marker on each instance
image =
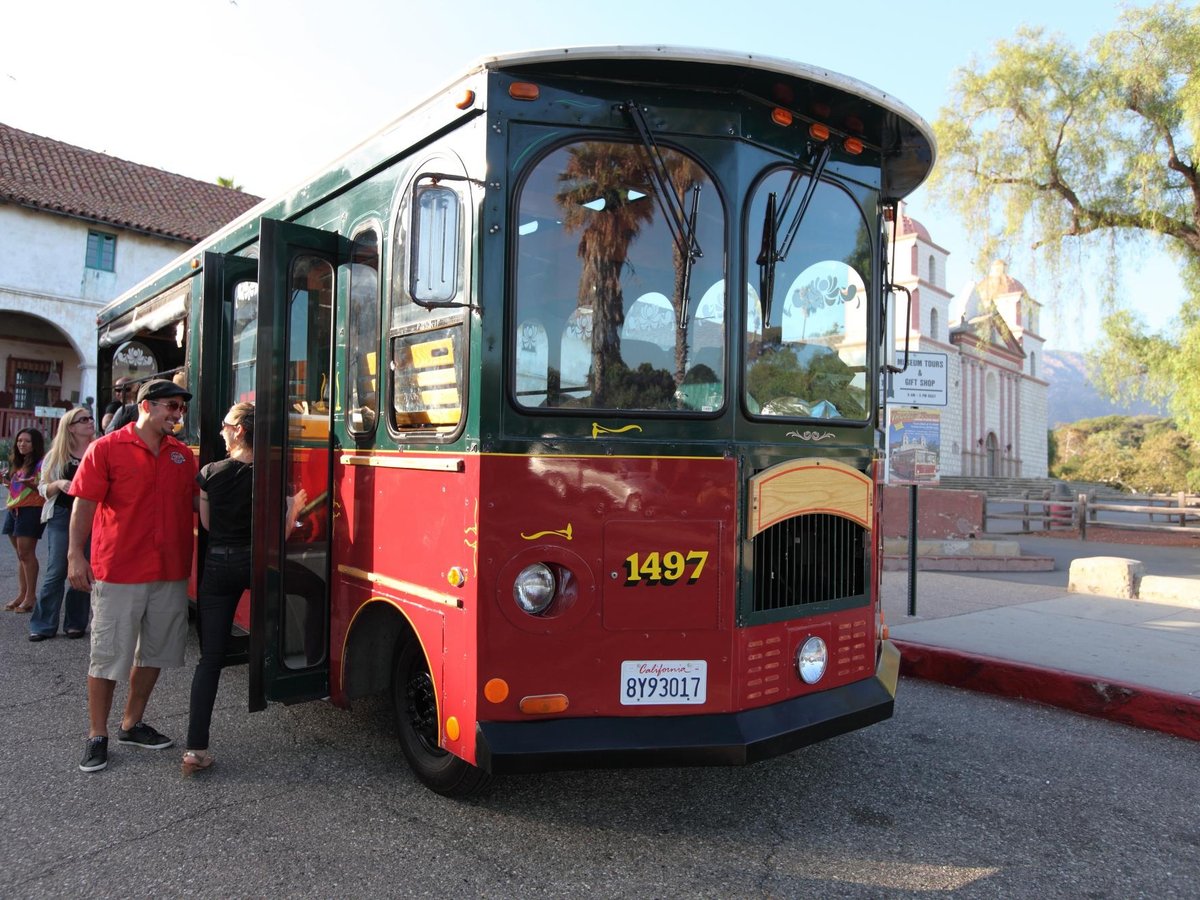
(663, 682)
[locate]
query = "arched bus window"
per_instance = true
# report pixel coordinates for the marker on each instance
(427, 329)
(245, 333)
(362, 337)
(806, 343)
(601, 320)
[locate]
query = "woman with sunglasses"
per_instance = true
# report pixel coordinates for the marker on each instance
(22, 519)
(75, 432)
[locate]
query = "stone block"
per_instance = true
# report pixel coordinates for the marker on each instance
(1108, 576)
(1172, 591)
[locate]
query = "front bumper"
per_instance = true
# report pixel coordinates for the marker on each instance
(722, 739)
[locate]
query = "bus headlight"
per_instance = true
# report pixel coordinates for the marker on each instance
(811, 660)
(534, 588)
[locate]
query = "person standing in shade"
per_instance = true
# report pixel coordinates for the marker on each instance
(123, 389)
(135, 495)
(226, 504)
(76, 431)
(23, 513)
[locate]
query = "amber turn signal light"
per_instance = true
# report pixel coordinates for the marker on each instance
(496, 690)
(541, 704)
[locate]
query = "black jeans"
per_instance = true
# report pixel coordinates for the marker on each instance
(226, 576)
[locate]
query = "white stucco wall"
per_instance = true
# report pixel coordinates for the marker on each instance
(1034, 448)
(42, 273)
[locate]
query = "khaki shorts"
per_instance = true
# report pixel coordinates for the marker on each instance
(137, 625)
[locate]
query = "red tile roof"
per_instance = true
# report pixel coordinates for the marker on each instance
(45, 174)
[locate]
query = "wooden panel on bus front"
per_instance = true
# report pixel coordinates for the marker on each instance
(807, 486)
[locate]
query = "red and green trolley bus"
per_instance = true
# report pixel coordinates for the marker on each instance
(578, 363)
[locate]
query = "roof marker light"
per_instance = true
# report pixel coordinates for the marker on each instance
(467, 101)
(781, 116)
(523, 90)
(818, 132)
(853, 146)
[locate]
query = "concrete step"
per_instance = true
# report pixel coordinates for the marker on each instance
(963, 556)
(971, 563)
(963, 547)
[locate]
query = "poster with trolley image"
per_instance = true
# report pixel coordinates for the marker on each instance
(914, 439)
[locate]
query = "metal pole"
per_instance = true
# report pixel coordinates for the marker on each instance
(912, 549)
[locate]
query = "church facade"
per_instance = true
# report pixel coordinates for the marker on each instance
(994, 423)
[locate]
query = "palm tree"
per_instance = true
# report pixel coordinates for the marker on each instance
(598, 180)
(685, 175)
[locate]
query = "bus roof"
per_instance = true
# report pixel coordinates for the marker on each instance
(907, 139)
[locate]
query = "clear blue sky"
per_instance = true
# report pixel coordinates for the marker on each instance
(296, 82)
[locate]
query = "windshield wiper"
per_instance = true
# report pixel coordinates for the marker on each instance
(766, 260)
(681, 223)
(817, 166)
(771, 252)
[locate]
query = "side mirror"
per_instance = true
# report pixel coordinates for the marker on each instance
(891, 315)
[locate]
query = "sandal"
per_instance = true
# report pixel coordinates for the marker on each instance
(24, 609)
(13, 606)
(196, 761)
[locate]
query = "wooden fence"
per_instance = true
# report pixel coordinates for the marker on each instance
(1165, 512)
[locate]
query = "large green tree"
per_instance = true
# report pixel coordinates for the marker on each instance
(1076, 153)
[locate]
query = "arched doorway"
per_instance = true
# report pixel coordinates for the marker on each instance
(40, 373)
(993, 455)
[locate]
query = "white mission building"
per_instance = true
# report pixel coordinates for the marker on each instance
(995, 419)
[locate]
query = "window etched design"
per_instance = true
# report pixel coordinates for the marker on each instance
(611, 312)
(806, 325)
(101, 251)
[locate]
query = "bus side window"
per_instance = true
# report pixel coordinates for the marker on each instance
(427, 347)
(362, 345)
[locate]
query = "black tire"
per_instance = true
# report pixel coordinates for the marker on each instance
(417, 722)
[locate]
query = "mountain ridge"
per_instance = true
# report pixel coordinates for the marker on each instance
(1072, 395)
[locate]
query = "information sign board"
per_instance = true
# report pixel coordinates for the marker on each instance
(923, 383)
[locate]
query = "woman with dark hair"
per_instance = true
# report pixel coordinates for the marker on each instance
(226, 493)
(75, 432)
(23, 516)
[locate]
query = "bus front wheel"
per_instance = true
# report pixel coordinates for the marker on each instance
(417, 721)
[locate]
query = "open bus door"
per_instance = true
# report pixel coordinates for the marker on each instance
(229, 317)
(293, 464)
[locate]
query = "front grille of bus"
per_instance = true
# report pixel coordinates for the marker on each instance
(809, 559)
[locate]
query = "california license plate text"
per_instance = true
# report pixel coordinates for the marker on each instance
(663, 682)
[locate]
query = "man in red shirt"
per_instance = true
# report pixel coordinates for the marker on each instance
(135, 493)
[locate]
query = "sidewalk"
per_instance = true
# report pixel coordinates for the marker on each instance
(1132, 661)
